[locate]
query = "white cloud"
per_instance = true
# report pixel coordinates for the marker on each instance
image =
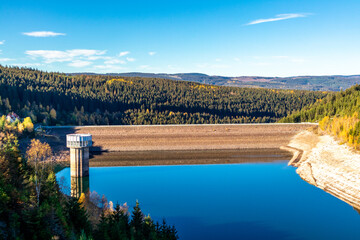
(85, 52)
(152, 53)
(50, 56)
(79, 63)
(6, 59)
(93, 58)
(114, 61)
(80, 58)
(278, 17)
(121, 54)
(43, 34)
(2, 42)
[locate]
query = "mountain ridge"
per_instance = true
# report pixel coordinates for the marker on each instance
(307, 82)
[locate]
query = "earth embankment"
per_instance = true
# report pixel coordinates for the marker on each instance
(181, 137)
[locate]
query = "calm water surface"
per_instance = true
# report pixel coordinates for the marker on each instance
(235, 201)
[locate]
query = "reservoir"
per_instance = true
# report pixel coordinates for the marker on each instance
(248, 200)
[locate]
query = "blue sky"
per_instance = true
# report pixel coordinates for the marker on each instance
(228, 37)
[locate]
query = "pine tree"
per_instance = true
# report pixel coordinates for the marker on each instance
(137, 221)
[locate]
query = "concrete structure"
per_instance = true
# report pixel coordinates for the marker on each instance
(79, 153)
(79, 185)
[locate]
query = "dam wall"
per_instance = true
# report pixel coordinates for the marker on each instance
(180, 137)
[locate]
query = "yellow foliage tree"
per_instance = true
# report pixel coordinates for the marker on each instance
(20, 127)
(29, 126)
(344, 127)
(323, 124)
(39, 155)
(82, 199)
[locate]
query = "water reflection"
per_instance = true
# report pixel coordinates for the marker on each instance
(79, 185)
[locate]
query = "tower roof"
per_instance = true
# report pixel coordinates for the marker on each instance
(78, 140)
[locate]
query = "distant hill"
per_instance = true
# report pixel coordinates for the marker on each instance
(313, 83)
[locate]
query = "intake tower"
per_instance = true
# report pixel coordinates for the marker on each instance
(79, 145)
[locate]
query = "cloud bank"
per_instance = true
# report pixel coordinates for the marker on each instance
(6, 59)
(80, 58)
(50, 56)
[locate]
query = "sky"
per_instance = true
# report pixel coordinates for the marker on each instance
(227, 37)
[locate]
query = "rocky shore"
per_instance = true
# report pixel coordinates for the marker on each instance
(327, 164)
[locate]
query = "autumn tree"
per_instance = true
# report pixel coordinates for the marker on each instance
(28, 125)
(40, 156)
(53, 114)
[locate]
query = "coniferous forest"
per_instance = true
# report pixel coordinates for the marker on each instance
(60, 99)
(32, 205)
(337, 114)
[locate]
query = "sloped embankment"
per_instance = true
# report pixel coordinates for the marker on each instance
(182, 137)
(326, 164)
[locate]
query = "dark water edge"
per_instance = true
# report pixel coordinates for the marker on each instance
(187, 157)
(256, 199)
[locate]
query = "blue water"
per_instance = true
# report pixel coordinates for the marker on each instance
(237, 201)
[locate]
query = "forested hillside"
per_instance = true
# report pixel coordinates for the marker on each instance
(337, 114)
(54, 98)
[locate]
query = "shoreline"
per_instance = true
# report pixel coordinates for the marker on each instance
(183, 157)
(325, 163)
